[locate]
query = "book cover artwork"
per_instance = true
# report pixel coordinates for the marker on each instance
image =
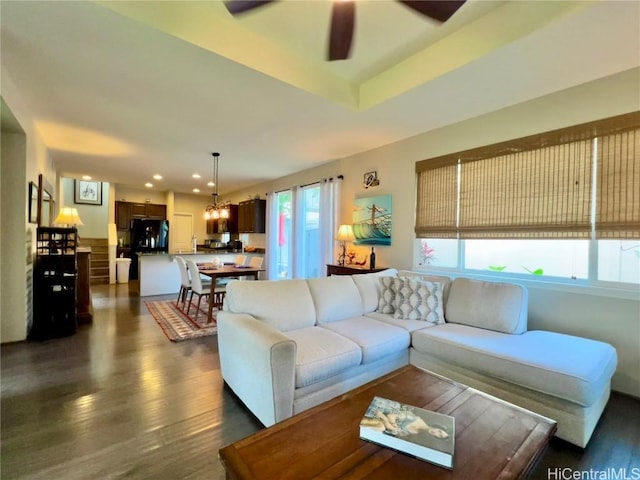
(415, 431)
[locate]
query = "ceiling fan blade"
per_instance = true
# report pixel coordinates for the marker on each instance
(236, 7)
(441, 10)
(343, 16)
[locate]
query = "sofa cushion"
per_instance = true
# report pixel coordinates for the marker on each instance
(265, 299)
(572, 368)
(495, 306)
(321, 353)
(419, 300)
(387, 299)
(408, 325)
(444, 280)
(335, 298)
(376, 339)
(369, 287)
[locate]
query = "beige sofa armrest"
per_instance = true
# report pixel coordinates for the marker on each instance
(258, 362)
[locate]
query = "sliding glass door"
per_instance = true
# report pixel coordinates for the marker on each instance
(301, 230)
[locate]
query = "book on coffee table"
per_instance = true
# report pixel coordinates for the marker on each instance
(415, 431)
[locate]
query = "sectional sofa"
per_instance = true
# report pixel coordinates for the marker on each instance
(286, 346)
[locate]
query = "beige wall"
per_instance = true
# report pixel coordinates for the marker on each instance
(94, 217)
(24, 157)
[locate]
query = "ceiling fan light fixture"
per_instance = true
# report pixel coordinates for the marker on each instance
(343, 17)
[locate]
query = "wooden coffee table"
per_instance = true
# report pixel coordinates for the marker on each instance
(494, 439)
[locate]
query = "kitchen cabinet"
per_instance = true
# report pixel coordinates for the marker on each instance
(137, 210)
(152, 211)
(126, 211)
(224, 225)
(251, 216)
(155, 211)
(122, 215)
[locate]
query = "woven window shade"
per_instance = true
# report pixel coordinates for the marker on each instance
(541, 193)
(437, 200)
(536, 187)
(618, 191)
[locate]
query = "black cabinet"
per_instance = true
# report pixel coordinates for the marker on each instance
(55, 277)
(251, 216)
(224, 225)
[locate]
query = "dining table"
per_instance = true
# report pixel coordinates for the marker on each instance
(225, 271)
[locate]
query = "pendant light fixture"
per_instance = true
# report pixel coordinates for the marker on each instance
(216, 210)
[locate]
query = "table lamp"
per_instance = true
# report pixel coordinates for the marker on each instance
(68, 216)
(345, 234)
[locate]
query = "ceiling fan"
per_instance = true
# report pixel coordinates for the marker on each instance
(343, 18)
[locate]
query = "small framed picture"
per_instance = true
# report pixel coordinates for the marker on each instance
(370, 179)
(88, 191)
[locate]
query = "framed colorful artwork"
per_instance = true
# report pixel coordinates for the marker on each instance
(372, 220)
(88, 191)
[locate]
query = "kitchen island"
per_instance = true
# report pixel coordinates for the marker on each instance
(159, 275)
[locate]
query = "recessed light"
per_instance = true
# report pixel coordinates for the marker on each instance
(211, 184)
(148, 185)
(196, 190)
(86, 177)
(157, 177)
(196, 175)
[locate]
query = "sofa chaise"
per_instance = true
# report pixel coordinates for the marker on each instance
(286, 346)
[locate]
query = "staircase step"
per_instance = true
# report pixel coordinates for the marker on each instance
(99, 280)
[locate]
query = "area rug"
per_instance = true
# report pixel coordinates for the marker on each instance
(179, 326)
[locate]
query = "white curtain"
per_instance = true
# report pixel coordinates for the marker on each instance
(329, 217)
(310, 249)
(272, 236)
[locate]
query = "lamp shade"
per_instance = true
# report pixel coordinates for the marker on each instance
(68, 216)
(345, 234)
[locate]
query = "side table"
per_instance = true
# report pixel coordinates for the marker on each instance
(350, 269)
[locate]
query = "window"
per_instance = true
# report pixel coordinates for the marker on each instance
(282, 245)
(309, 262)
(549, 205)
(301, 227)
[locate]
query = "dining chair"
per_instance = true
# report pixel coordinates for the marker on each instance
(197, 286)
(254, 262)
(185, 282)
(240, 259)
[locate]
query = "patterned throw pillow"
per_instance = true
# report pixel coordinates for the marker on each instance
(386, 302)
(418, 300)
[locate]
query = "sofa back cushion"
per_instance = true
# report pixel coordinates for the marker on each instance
(283, 304)
(494, 306)
(335, 298)
(443, 279)
(369, 287)
(418, 299)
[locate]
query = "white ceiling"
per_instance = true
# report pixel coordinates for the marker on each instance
(124, 90)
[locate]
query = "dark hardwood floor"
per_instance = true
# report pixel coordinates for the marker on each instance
(119, 400)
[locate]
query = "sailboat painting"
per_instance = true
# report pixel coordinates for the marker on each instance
(372, 220)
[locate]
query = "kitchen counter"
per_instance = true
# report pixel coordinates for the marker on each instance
(228, 250)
